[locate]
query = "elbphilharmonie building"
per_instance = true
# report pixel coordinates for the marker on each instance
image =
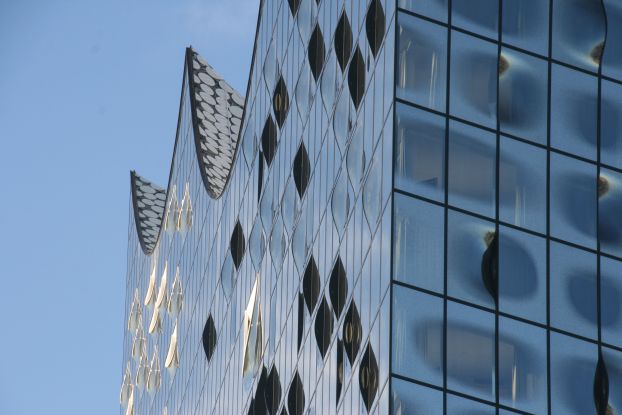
(414, 208)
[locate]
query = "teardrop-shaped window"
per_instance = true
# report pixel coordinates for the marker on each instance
(209, 337)
(184, 220)
(253, 332)
(343, 41)
(316, 52)
(296, 396)
(356, 78)
(136, 314)
(368, 377)
(172, 356)
(301, 170)
(352, 332)
(375, 26)
(323, 327)
(280, 102)
(154, 378)
(237, 244)
(162, 289)
(127, 386)
(269, 140)
(176, 300)
(172, 211)
(311, 285)
(338, 287)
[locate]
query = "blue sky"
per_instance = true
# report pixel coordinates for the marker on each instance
(89, 89)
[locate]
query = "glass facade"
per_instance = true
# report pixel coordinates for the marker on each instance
(414, 210)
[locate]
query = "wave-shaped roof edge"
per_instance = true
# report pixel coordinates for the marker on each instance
(148, 204)
(205, 164)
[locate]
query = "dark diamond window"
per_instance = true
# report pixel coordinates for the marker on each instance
(356, 77)
(268, 140)
(352, 332)
(296, 397)
(301, 318)
(209, 337)
(259, 403)
(316, 52)
(311, 285)
(280, 102)
(293, 6)
(302, 170)
(343, 41)
(368, 377)
(273, 391)
(340, 368)
(375, 25)
(338, 286)
(237, 244)
(323, 327)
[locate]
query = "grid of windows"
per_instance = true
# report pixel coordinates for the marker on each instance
(506, 255)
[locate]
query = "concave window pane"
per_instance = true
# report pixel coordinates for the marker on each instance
(417, 337)
(611, 124)
(436, 9)
(573, 200)
(479, 16)
(472, 169)
(609, 217)
(522, 366)
(579, 29)
(526, 24)
(522, 185)
(469, 240)
(523, 89)
(420, 152)
(470, 351)
(418, 243)
(573, 363)
(522, 274)
(410, 398)
(574, 99)
(610, 304)
(474, 71)
(457, 405)
(573, 290)
(422, 65)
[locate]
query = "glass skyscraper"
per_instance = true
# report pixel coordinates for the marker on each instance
(416, 209)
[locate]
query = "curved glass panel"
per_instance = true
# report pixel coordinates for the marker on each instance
(526, 24)
(422, 62)
(522, 274)
(523, 90)
(479, 16)
(472, 168)
(573, 200)
(522, 185)
(474, 71)
(613, 360)
(573, 290)
(457, 405)
(611, 124)
(573, 363)
(436, 9)
(420, 152)
(611, 301)
(609, 217)
(574, 99)
(418, 243)
(612, 57)
(417, 338)
(410, 398)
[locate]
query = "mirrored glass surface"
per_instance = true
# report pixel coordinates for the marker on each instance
(462, 406)
(611, 301)
(609, 212)
(479, 16)
(472, 168)
(473, 82)
(422, 62)
(523, 90)
(419, 243)
(574, 99)
(573, 200)
(526, 24)
(573, 363)
(522, 185)
(435, 9)
(410, 398)
(417, 338)
(612, 56)
(613, 361)
(470, 242)
(611, 124)
(573, 290)
(522, 366)
(578, 32)
(470, 351)
(420, 152)
(522, 274)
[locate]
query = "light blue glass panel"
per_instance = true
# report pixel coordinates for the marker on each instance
(612, 58)
(479, 16)
(613, 361)
(462, 406)
(611, 124)
(526, 24)
(611, 301)
(609, 212)
(435, 9)
(410, 398)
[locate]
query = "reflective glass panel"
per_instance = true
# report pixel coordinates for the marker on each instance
(574, 98)
(522, 366)
(436, 9)
(611, 124)
(578, 32)
(612, 57)
(573, 200)
(417, 338)
(420, 152)
(609, 214)
(410, 398)
(522, 274)
(422, 63)
(613, 360)
(469, 240)
(479, 16)
(470, 351)
(418, 246)
(611, 301)
(474, 70)
(573, 363)
(522, 185)
(526, 24)
(472, 168)
(462, 406)
(573, 290)
(523, 90)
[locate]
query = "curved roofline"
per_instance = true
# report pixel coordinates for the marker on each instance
(188, 68)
